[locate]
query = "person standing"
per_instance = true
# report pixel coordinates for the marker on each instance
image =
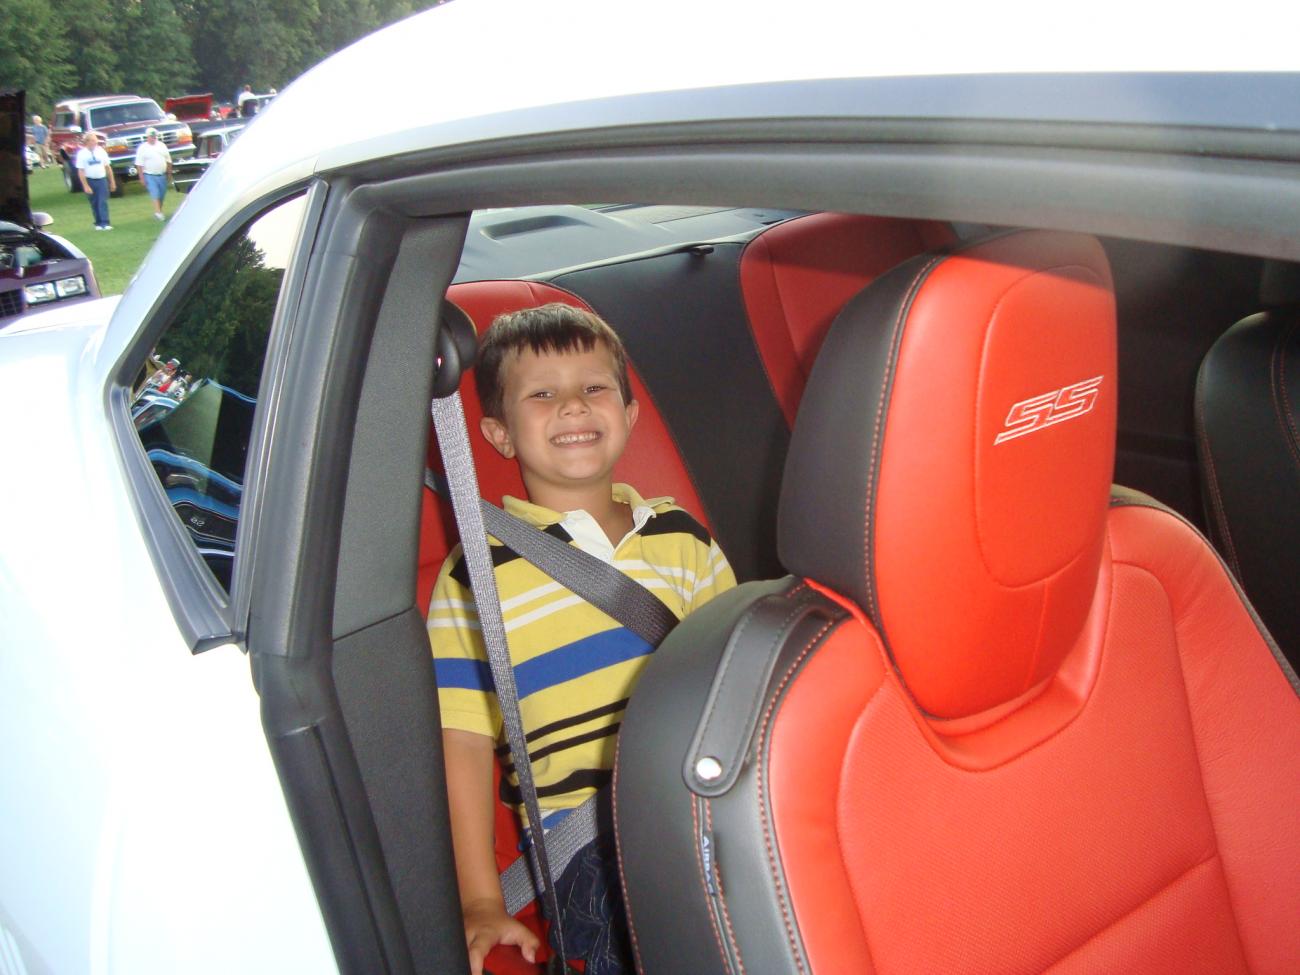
(242, 104)
(154, 160)
(96, 178)
(41, 139)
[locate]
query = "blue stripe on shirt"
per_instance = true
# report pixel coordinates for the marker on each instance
(585, 656)
(556, 666)
(470, 675)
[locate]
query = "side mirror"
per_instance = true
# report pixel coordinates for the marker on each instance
(41, 219)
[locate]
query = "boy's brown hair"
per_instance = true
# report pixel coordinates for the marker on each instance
(556, 327)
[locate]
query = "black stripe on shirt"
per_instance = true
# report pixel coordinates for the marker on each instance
(503, 751)
(501, 554)
(675, 521)
(587, 778)
(559, 746)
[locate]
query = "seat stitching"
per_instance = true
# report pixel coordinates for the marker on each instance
(1196, 745)
(713, 924)
(730, 672)
(1288, 672)
(1133, 910)
(618, 854)
(876, 446)
(763, 797)
(722, 897)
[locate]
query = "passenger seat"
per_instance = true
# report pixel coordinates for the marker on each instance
(1248, 436)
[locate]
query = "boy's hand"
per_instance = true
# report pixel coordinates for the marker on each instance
(488, 925)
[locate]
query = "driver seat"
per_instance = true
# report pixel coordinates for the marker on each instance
(1001, 717)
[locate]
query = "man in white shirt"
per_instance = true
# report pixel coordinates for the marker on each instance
(154, 161)
(96, 178)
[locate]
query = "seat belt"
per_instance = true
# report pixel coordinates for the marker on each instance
(599, 583)
(602, 585)
(453, 440)
(610, 591)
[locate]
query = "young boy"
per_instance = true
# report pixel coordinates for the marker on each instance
(555, 394)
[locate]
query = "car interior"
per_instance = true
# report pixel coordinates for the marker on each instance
(809, 337)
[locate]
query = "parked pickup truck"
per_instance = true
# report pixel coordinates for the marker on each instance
(121, 120)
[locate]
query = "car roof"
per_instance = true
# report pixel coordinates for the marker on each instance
(96, 101)
(473, 67)
(1032, 71)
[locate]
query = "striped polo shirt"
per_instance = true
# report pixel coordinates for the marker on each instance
(574, 666)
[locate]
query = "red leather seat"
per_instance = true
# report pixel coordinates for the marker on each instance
(797, 275)
(1002, 717)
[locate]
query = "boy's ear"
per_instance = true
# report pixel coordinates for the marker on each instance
(497, 435)
(633, 410)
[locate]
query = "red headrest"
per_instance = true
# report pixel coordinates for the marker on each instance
(797, 275)
(951, 465)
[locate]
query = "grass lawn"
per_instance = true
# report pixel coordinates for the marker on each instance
(117, 253)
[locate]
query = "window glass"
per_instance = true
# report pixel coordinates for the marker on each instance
(195, 397)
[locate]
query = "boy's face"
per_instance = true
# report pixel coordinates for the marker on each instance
(564, 418)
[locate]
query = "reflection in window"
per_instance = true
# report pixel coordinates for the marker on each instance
(194, 405)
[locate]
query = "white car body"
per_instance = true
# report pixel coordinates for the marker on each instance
(143, 827)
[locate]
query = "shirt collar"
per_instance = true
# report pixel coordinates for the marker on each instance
(541, 517)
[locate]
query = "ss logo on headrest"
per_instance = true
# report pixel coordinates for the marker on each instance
(1047, 409)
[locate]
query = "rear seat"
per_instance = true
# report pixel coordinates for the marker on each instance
(652, 462)
(796, 276)
(750, 315)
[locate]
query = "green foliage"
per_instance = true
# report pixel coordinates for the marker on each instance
(34, 53)
(91, 28)
(158, 48)
(156, 59)
(221, 331)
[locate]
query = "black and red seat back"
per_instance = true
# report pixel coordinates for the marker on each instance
(1001, 717)
(1248, 435)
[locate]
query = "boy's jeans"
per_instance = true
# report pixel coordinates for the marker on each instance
(591, 901)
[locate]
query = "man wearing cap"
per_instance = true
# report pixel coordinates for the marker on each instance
(154, 161)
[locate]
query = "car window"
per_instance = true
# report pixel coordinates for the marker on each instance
(142, 111)
(194, 404)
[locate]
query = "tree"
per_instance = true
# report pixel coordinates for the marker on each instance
(34, 54)
(91, 28)
(157, 60)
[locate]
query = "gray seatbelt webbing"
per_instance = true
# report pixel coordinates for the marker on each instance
(597, 582)
(453, 440)
(563, 840)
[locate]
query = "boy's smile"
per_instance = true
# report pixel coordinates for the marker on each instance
(565, 421)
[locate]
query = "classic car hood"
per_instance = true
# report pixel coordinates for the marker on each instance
(14, 206)
(189, 108)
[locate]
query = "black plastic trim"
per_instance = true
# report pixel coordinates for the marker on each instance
(1176, 196)
(201, 608)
